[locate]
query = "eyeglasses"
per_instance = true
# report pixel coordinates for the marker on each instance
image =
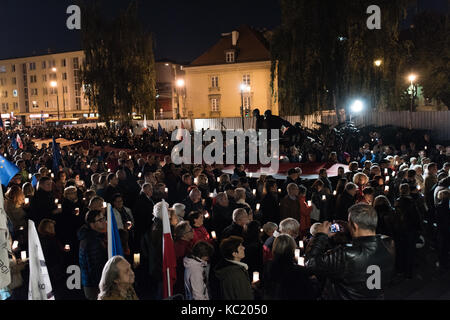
(101, 220)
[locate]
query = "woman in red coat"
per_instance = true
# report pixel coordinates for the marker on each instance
(305, 212)
(195, 219)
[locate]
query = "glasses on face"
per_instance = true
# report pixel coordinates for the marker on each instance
(103, 219)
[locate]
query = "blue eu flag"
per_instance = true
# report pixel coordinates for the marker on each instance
(7, 170)
(160, 130)
(56, 156)
(34, 181)
(14, 143)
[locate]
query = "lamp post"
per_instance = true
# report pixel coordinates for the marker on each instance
(244, 88)
(377, 64)
(412, 77)
(54, 84)
(180, 84)
(356, 107)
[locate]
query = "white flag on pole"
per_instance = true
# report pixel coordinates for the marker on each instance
(40, 287)
(5, 271)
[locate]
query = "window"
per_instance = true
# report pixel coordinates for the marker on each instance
(65, 89)
(5, 94)
(215, 104)
(214, 81)
(63, 62)
(2, 69)
(44, 64)
(45, 91)
(78, 103)
(25, 91)
(32, 65)
(230, 57)
(14, 80)
(246, 79)
(51, 63)
(52, 76)
(247, 100)
(3, 82)
(13, 68)
(75, 63)
(4, 107)
(46, 104)
(15, 105)
(33, 79)
(53, 91)
(64, 76)
(15, 93)
(44, 78)
(34, 92)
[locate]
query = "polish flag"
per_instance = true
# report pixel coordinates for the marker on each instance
(169, 258)
(19, 142)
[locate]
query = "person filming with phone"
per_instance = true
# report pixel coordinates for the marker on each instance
(358, 270)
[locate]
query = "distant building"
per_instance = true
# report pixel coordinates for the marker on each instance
(31, 88)
(214, 79)
(169, 95)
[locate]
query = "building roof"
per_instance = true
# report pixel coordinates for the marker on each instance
(251, 46)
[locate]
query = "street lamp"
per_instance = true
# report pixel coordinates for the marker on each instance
(377, 63)
(412, 77)
(244, 88)
(54, 84)
(180, 84)
(356, 107)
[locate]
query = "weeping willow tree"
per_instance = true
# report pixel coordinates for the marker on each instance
(119, 69)
(323, 54)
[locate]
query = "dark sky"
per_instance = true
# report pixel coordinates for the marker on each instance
(183, 29)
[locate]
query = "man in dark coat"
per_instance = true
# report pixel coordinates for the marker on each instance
(238, 226)
(183, 187)
(93, 252)
(222, 213)
(142, 212)
(42, 205)
(193, 202)
(360, 270)
(270, 206)
(345, 201)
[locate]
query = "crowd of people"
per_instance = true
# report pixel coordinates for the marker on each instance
(236, 237)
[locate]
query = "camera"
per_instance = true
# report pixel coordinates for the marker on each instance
(335, 228)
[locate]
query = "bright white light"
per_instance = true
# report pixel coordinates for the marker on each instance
(53, 84)
(357, 106)
(245, 88)
(412, 77)
(180, 83)
(54, 69)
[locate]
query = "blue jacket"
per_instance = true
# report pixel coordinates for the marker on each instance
(93, 256)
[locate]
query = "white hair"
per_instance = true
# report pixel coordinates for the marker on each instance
(179, 209)
(157, 209)
(313, 229)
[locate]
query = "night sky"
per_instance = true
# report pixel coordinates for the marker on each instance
(183, 29)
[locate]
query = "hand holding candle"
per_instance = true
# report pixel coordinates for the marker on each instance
(137, 259)
(255, 277)
(23, 255)
(301, 261)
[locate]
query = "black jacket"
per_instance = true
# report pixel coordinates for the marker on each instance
(343, 203)
(41, 206)
(347, 267)
(270, 209)
(221, 218)
(408, 216)
(233, 230)
(143, 215)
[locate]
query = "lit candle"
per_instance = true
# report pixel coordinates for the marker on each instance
(139, 174)
(211, 195)
(166, 190)
(137, 258)
(301, 261)
(104, 204)
(50, 171)
(218, 179)
(206, 215)
(109, 170)
(393, 173)
(67, 247)
(129, 157)
(21, 228)
(88, 166)
(254, 192)
(418, 187)
(261, 230)
(213, 234)
(60, 206)
(52, 175)
(258, 206)
(27, 200)
(324, 197)
(386, 188)
(279, 190)
(300, 244)
(251, 174)
(387, 178)
(334, 192)
(255, 276)
(30, 176)
(195, 180)
(386, 171)
(77, 211)
(4, 155)
(129, 225)
(426, 147)
(23, 255)
(297, 253)
(15, 245)
(56, 201)
(309, 203)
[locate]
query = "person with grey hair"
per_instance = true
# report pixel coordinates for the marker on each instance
(179, 210)
(117, 280)
(194, 201)
(288, 226)
(358, 270)
(290, 204)
(142, 212)
(239, 224)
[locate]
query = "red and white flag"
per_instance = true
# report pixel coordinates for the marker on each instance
(169, 258)
(19, 142)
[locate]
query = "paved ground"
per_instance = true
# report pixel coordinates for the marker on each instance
(428, 283)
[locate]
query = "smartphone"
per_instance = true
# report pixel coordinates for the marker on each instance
(335, 228)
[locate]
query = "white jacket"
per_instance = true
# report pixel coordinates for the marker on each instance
(195, 285)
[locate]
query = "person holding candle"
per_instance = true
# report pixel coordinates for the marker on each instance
(196, 271)
(253, 247)
(305, 212)
(42, 205)
(183, 187)
(183, 235)
(346, 267)
(221, 213)
(195, 219)
(288, 226)
(142, 212)
(238, 226)
(283, 278)
(345, 201)
(194, 201)
(14, 201)
(290, 205)
(270, 206)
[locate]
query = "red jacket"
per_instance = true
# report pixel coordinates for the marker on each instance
(305, 216)
(200, 234)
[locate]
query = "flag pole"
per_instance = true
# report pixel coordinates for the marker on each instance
(168, 283)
